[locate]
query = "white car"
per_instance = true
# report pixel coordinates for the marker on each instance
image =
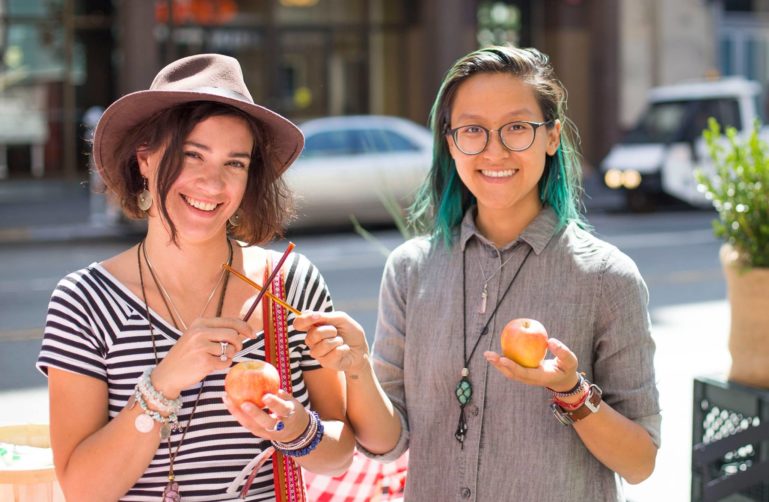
(350, 164)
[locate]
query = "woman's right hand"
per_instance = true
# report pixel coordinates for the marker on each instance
(197, 353)
(335, 340)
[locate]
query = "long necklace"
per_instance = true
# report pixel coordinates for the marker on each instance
(169, 301)
(485, 291)
(464, 389)
(171, 492)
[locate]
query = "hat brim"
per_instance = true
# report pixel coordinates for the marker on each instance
(132, 109)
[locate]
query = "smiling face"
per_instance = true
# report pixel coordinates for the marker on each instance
(504, 182)
(212, 179)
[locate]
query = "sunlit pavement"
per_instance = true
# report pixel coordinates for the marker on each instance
(691, 341)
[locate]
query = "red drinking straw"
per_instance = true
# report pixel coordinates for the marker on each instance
(268, 282)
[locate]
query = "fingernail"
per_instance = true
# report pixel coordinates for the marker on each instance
(315, 317)
(247, 407)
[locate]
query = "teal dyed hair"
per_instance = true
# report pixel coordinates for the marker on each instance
(443, 198)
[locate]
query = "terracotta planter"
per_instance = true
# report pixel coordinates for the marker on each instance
(748, 290)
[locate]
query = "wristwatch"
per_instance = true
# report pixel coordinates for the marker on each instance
(591, 405)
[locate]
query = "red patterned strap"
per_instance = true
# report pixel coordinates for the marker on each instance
(289, 486)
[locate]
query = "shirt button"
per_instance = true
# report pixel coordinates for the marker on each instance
(473, 410)
(465, 492)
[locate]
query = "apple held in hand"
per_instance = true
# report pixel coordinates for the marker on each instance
(250, 380)
(525, 342)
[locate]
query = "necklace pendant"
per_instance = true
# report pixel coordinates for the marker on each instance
(484, 296)
(464, 391)
(171, 492)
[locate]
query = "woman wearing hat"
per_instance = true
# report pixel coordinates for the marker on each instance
(137, 347)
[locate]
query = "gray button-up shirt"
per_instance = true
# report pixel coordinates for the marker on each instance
(586, 292)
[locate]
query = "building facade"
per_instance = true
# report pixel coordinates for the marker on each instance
(65, 60)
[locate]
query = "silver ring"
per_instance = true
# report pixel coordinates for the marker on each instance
(223, 354)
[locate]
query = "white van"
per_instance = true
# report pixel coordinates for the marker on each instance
(661, 152)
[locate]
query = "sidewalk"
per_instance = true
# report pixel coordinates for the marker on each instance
(54, 210)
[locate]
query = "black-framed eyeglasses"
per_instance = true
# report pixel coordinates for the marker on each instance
(516, 136)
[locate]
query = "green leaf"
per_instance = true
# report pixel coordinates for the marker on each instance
(737, 190)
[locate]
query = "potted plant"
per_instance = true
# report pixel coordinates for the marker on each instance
(738, 186)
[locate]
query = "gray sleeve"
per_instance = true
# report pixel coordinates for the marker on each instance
(624, 349)
(389, 345)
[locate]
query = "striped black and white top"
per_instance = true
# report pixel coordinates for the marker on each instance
(97, 327)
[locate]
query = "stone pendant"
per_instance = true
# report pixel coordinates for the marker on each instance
(464, 391)
(171, 493)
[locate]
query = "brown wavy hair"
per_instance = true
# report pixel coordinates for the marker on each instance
(267, 204)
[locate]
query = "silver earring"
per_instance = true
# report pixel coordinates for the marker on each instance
(144, 199)
(235, 218)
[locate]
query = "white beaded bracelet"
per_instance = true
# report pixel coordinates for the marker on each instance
(154, 397)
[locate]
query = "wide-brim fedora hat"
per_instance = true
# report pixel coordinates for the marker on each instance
(203, 77)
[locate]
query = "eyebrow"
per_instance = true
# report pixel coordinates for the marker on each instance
(207, 149)
(514, 113)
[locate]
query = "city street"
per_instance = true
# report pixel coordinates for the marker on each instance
(674, 250)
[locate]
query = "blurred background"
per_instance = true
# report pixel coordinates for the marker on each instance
(62, 59)
(359, 77)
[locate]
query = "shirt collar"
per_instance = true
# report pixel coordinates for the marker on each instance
(537, 234)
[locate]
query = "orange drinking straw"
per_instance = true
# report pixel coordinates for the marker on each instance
(269, 280)
(258, 287)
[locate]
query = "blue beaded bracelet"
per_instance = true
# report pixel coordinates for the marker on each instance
(306, 442)
(306, 450)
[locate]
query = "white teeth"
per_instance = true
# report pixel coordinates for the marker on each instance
(498, 174)
(198, 204)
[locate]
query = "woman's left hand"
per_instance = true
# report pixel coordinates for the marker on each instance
(282, 408)
(558, 373)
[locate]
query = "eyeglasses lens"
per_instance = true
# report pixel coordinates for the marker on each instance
(516, 136)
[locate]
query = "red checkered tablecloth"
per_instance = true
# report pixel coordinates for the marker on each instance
(365, 481)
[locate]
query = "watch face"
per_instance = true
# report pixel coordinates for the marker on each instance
(561, 415)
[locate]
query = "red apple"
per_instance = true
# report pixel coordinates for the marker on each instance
(525, 342)
(250, 380)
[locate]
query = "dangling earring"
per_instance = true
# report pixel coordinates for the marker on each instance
(144, 199)
(235, 218)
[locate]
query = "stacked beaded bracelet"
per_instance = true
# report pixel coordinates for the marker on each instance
(571, 392)
(153, 397)
(164, 410)
(307, 440)
(582, 387)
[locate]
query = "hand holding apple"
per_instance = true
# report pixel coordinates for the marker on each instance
(250, 381)
(525, 342)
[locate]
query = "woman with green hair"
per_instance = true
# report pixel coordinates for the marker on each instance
(504, 240)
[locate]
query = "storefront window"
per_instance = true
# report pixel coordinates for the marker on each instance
(305, 58)
(30, 86)
(43, 86)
